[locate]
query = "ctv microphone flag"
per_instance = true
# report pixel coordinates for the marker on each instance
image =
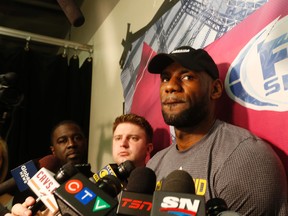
(79, 196)
(43, 184)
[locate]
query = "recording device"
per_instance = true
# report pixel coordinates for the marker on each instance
(218, 207)
(177, 196)
(121, 171)
(24, 172)
(136, 200)
(79, 196)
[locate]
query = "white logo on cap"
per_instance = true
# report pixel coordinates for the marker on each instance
(181, 51)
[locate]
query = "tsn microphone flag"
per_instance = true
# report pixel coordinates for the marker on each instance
(131, 203)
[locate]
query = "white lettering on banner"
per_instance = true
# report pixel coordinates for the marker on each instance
(181, 203)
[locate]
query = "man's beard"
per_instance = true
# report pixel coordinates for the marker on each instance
(187, 118)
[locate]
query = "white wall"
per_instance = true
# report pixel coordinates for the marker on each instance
(107, 94)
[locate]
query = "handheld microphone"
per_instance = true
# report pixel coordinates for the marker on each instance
(137, 198)
(79, 196)
(177, 196)
(218, 207)
(43, 184)
(121, 171)
(24, 172)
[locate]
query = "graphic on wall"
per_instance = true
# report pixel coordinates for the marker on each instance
(251, 55)
(266, 56)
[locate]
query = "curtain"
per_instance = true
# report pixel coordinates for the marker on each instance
(49, 88)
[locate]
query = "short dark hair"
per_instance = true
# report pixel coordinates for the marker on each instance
(137, 120)
(64, 122)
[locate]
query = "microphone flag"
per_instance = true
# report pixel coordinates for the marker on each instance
(79, 196)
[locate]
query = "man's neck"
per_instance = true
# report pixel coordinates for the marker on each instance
(186, 137)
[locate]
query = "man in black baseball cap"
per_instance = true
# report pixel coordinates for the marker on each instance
(193, 59)
(230, 162)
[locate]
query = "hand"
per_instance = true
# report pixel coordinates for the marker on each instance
(22, 209)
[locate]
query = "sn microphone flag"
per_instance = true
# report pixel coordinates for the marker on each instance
(248, 41)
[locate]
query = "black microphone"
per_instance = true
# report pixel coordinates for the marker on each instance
(121, 171)
(218, 207)
(24, 172)
(79, 196)
(177, 196)
(136, 200)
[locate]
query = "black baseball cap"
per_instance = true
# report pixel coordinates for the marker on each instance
(193, 59)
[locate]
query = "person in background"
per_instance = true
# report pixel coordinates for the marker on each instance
(68, 143)
(227, 161)
(132, 139)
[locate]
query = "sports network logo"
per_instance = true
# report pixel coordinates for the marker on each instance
(258, 77)
(179, 206)
(85, 195)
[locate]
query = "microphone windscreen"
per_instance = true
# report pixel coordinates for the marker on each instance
(65, 172)
(110, 184)
(50, 162)
(215, 205)
(142, 180)
(179, 181)
(126, 168)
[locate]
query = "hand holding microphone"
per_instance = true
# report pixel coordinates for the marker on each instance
(43, 184)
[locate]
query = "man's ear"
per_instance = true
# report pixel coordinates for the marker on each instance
(217, 89)
(52, 150)
(150, 147)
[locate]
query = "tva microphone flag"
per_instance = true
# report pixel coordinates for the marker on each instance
(79, 196)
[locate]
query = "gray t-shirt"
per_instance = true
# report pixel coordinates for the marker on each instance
(232, 164)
